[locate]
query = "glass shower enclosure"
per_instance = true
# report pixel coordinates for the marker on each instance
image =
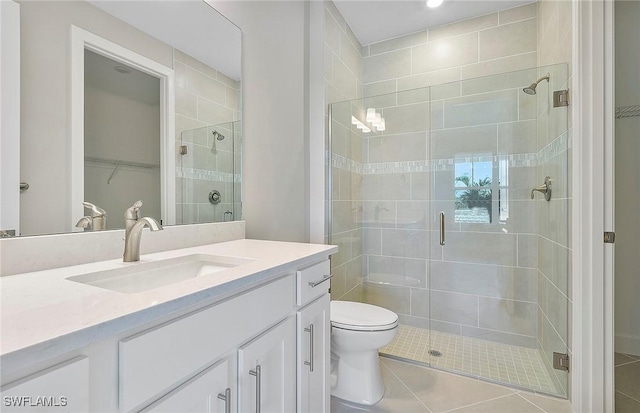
(208, 176)
(438, 202)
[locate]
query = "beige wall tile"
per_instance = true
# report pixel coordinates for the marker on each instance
(387, 66)
(437, 77)
(445, 53)
(465, 26)
(194, 63)
(333, 95)
(485, 108)
(353, 39)
(344, 80)
(331, 31)
(519, 13)
(409, 243)
(386, 187)
(186, 103)
(333, 10)
(398, 43)
(213, 113)
(397, 148)
(379, 88)
(510, 316)
(454, 308)
(328, 64)
(487, 248)
(391, 297)
(420, 302)
(447, 143)
(517, 137)
(487, 280)
(221, 77)
(518, 79)
(407, 97)
(338, 282)
(507, 40)
(231, 98)
(408, 118)
(205, 86)
(350, 55)
(503, 65)
(354, 268)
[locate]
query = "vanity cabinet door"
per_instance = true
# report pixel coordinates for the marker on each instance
(266, 370)
(211, 391)
(314, 339)
(61, 388)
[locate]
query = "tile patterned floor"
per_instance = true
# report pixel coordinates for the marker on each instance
(415, 389)
(518, 366)
(627, 379)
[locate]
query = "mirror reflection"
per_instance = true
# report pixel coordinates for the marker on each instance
(112, 98)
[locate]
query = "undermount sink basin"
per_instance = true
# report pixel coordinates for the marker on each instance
(139, 277)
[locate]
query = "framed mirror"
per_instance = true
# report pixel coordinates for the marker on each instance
(120, 101)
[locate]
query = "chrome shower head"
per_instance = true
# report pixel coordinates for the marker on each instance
(218, 135)
(531, 89)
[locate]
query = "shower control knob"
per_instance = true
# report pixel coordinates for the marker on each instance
(215, 197)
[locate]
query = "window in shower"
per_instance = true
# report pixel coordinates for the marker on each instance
(473, 181)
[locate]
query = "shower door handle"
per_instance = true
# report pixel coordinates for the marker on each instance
(441, 228)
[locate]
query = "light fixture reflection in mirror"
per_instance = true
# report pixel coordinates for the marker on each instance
(201, 47)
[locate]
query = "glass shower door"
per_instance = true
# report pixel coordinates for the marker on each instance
(208, 174)
(498, 265)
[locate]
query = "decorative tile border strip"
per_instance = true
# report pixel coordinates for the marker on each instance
(340, 162)
(207, 175)
(520, 160)
(554, 148)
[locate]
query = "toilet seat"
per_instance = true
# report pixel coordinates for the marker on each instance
(348, 315)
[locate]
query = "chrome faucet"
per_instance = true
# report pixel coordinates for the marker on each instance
(133, 231)
(96, 221)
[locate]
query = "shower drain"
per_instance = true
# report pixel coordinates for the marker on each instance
(435, 353)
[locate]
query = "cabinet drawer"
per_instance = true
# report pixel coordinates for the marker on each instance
(156, 360)
(312, 282)
(62, 388)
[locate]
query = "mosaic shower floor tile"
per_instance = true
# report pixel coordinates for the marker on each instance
(515, 365)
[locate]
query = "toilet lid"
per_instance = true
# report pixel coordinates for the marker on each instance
(359, 316)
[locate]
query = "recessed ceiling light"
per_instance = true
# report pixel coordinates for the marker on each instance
(434, 3)
(122, 69)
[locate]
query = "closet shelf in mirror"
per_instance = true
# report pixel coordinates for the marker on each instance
(118, 163)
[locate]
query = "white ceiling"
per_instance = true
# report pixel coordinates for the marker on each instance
(99, 72)
(191, 26)
(373, 21)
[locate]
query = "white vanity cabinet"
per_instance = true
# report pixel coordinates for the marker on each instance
(267, 371)
(263, 347)
(314, 339)
(211, 391)
(61, 388)
(157, 361)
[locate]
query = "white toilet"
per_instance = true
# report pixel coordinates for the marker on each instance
(357, 332)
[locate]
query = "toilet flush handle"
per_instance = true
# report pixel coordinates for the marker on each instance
(314, 284)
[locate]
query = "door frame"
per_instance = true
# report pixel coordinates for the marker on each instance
(592, 338)
(82, 40)
(10, 117)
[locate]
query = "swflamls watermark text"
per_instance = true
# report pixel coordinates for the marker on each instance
(35, 401)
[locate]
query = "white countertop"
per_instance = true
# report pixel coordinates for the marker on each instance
(43, 313)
